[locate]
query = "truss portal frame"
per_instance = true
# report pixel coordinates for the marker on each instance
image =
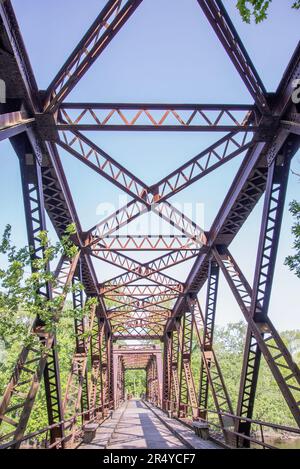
(148, 302)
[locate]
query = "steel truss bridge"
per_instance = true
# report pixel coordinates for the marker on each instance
(148, 303)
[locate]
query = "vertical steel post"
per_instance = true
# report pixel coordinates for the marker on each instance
(167, 372)
(79, 325)
(187, 392)
(159, 372)
(264, 271)
(31, 175)
(174, 371)
(208, 332)
(278, 357)
(95, 388)
(110, 372)
(104, 373)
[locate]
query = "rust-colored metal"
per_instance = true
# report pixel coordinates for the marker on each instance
(146, 302)
(139, 357)
(151, 117)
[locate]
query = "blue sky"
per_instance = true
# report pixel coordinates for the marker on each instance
(167, 52)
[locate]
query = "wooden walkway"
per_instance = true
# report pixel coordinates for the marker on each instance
(136, 426)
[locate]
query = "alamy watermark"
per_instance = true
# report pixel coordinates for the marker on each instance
(296, 92)
(154, 221)
(2, 92)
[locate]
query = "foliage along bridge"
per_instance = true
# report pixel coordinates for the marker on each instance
(148, 303)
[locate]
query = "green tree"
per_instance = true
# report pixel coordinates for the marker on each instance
(229, 341)
(135, 382)
(258, 9)
(293, 262)
(20, 298)
(20, 303)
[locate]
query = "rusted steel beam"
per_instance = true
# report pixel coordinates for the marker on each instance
(108, 23)
(82, 148)
(136, 208)
(248, 186)
(119, 379)
(151, 270)
(141, 290)
(167, 372)
(115, 221)
(187, 391)
(145, 323)
(80, 329)
(34, 204)
(174, 391)
(137, 330)
(138, 302)
(147, 243)
(179, 220)
(265, 265)
(110, 368)
(77, 395)
(36, 357)
(129, 336)
(157, 117)
(274, 130)
(122, 217)
(143, 316)
(125, 309)
(161, 304)
(105, 371)
(136, 270)
(279, 359)
(96, 386)
(220, 21)
(225, 149)
(136, 323)
(137, 305)
(245, 192)
(12, 131)
(15, 62)
(61, 210)
(213, 371)
(208, 333)
(154, 380)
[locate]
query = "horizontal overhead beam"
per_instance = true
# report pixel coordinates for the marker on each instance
(159, 106)
(247, 187)
(136, 337)
(158, 117)
(147, 243)
(140, 290)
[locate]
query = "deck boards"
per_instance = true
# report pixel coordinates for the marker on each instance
(135, 426)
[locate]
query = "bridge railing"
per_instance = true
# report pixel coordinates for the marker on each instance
(230, 423)
(60, 443)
